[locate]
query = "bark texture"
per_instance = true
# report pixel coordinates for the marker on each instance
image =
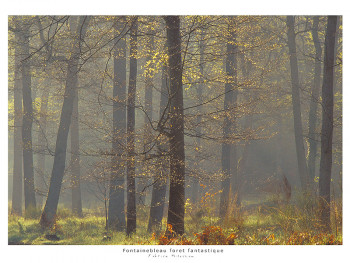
(315, 93)
(130, 141)
(198, 129)
(17, 133)
(116, 211)
(40, 177)
(228, 152)
(298, 129)
(27, 123)
(176, 210)
(327, 123)
(75, 158)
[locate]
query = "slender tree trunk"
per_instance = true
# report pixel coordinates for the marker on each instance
(17, 134)
(40, 178)
(75, 157)
(27, 123)
(195, 188)
(314, 99)
(327, 123)
(236, 181)
(74, 137)
(50, 209)
(248, 124)
(116, 211)
(130, 168)
(160, 180)
(41, 184)
(147, 138)
(228, 153)
(176, 210)
(298, 129)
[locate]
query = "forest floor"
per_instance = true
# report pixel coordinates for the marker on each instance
(266, 223)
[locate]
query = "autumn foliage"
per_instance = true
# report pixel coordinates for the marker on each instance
(211, 235)
(308, 238)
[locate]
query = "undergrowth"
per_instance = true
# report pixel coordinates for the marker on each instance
(260, 224)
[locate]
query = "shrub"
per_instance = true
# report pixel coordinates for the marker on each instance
(213, 235)
(303, 238)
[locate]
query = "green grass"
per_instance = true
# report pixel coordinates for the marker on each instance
(89, 230)
(283, 224)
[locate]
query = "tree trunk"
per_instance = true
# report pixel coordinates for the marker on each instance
(75, 157)
(176, 210)
(41, 184)
(130, 167)
(50, 209)
(160, 180)
(314, 100)
(147, 138)
(74, 136)
(116, 211)
(27, 123)
(228, 153)
(40, 178)
(198, 130)
(298, 129)
(327, 123)
(242, 164)
(17, 133)
(236, 181)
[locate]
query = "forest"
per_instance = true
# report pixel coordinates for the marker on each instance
(175, 130)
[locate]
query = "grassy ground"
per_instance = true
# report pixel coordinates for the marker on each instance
(254, 224)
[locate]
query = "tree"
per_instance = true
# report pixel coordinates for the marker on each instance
(199, 90)
(27, 122)
(75, 159)
(49, 212)
(147, 138)
(160, 180)
(228, 152)
(17, 134)
(130, 140)
(327, 122)
(41, 187)
(176, 210)
(298, 129)
(41, 148)
(314, 99)
(116, 212)
(74, 136)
